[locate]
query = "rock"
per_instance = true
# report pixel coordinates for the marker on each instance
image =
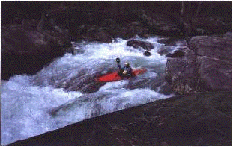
(84, 81)
(168, 41)
(172, 41)
(211, 25)
(164, 50)
(137, 43)
(29, 46)
(160, 24)
(228, 34)
(212, 47)
(176, 54)
(75, 49)
(170, 45)
(101, 36)
(85, 84)
(27, 51)
(180, 73)
(147, 53)
(206, 66)
(216, 73)
(166, 89)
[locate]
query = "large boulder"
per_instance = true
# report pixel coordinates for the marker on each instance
(138, 43)
(206, 66)
(216, 73)
(180, 73)
(213, 47)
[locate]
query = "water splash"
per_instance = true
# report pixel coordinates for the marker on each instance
(32, 105)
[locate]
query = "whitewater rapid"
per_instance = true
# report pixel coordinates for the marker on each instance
(34, 104)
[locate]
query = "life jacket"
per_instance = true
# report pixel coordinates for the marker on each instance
(128, 70)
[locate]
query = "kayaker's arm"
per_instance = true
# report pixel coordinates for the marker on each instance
(119, 66)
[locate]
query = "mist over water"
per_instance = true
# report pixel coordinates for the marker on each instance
(32, 105)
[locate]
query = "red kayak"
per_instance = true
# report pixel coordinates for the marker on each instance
(115, 77)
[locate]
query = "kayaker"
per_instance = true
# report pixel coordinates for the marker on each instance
(126, 71)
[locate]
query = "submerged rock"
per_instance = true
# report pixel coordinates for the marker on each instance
(84, 81)
(137, 43)
(85, 84)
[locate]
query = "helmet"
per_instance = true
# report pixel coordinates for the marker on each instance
(127, 64)
(117, 60)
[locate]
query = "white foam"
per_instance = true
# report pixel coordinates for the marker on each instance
(112, 86)
(25, 106)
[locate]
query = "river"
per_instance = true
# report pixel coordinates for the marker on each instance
(34, 104)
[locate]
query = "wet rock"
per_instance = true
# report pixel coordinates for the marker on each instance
(137, 43)
(85, 84)
(156, 83)
(176, 44)
(147, 53)
(84, 80)
(176, 54)
(204, 67)
(164, 50)
(168, 41)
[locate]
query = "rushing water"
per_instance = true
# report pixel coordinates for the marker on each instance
(32, 105)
